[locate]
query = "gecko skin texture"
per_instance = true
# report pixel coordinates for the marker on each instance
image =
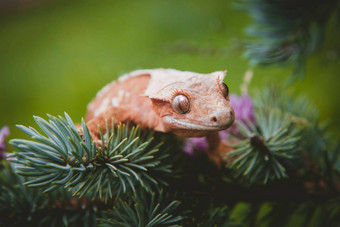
(187, 104)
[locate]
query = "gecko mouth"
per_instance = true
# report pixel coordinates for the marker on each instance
(191, 126)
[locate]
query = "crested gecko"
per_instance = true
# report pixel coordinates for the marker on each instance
(185, 103)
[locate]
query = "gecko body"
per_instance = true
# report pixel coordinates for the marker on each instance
(185, 103)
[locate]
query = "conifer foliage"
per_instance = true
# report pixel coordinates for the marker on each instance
(63, 158)
(281, 168)
(286, 32)
(137, 178)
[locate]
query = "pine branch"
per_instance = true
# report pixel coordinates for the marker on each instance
(287, 213)
(269, 145)
(266, 149)
(275, 96)
(62, 158)
(322, 161)
(285, 131)
(320, 154)
(144, 210)
(286, 32)
(20, 205)
(215, 216)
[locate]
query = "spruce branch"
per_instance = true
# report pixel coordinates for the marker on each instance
(215, 216)
(156, 209)
(285, 213)
(285, 32)
(319, 152)
(21, 205)
(282, 98)
(266, 149)
(63, 158)
(321, 161)
(317, 213)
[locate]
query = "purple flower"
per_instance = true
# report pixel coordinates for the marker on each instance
(192, 144)
(4, 132)
(244, 111)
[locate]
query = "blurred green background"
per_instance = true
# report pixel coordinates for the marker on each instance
(55, 56)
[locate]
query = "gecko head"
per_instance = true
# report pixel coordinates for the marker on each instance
(194, 105)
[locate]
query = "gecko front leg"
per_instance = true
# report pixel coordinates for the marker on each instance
(216, 148)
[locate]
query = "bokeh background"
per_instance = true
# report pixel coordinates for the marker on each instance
(55, 55)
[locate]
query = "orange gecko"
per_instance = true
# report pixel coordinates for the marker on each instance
(187, 104)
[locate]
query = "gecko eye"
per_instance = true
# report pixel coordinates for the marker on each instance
(181, 104)
(224, 89)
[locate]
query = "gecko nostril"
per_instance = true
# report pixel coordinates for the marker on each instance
(231, 113)
(214, 119)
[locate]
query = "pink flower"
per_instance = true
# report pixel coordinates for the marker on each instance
(4, 132)
(192, 144)
(244, 110)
